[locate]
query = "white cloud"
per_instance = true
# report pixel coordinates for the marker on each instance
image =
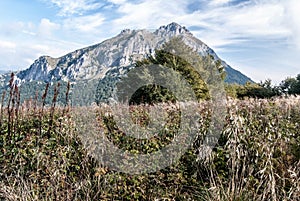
(257, 20)
(219, 2)
(221, 24)
(89, 23)
(29, 32)
(12, 56)
(117, 2)
(46, 28)
(23, 53)
(71, 7)
(292, 20)
(7, 45)
(16, 28)
(149, 14)
(226, 24)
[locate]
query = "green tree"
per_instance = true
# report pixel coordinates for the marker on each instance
(254, 90)
(193, 76)
(290, 85)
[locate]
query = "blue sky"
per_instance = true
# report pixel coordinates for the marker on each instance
(261, 38)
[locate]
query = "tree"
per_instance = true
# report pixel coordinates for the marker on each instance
(290, 85)
(254, 90)
(165, 58)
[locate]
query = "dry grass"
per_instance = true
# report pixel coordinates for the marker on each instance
(257, 157)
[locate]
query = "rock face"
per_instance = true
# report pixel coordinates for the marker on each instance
(122, 50)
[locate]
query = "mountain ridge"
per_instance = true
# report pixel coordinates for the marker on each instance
(87, 66)
(94, 61)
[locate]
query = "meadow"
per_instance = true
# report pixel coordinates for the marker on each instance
(43, 155)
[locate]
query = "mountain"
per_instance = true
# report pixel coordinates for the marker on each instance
(94, 62)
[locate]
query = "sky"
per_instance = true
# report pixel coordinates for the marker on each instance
(260, 38)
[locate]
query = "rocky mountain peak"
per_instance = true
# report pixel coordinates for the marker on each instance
(126, 31)
(172, 29)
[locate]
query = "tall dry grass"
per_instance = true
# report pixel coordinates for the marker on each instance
(260, 156)
(43, 155)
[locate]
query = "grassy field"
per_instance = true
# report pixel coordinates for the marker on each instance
(43, 157)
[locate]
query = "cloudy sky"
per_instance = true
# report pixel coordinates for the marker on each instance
(261, 38)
